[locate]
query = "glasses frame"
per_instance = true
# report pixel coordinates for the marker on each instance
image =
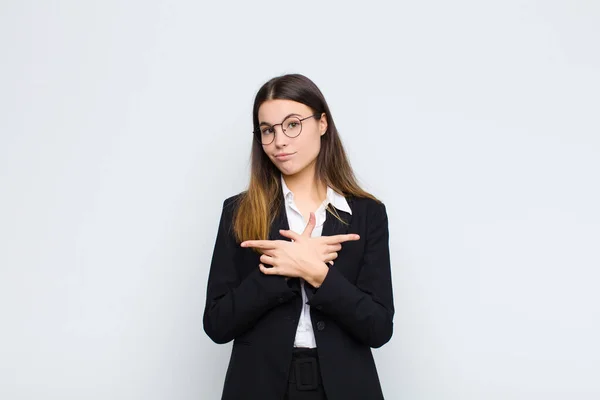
(258, 133)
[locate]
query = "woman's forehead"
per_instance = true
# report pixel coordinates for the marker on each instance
(272, 111)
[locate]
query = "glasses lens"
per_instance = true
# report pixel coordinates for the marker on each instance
(267, 134)
(292, 127)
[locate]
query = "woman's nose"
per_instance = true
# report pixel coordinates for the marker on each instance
(280, 137)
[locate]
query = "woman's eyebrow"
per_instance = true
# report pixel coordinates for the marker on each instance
(286, 117)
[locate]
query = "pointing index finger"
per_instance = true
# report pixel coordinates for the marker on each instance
(259, 244)
(342, 238)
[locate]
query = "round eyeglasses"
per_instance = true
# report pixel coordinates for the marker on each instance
(291, 127)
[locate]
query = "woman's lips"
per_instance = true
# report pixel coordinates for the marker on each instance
(284, 156)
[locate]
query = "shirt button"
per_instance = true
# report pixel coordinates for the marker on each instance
(320, 325)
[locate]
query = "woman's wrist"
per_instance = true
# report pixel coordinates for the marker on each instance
(318, 274)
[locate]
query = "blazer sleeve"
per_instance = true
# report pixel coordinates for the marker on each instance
(366, 309)
(234, 303)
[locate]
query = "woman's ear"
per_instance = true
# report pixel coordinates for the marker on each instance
(323, 123)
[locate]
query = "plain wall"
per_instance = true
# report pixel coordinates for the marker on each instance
(125, 124)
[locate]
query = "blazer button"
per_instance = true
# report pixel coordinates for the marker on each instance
(320, 325)
(319, 307)
(280, 299)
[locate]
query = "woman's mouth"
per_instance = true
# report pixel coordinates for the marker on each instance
(284, 156)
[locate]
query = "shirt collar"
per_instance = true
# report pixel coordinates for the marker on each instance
(332, 197)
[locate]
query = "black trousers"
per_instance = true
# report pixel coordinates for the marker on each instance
(304, 381)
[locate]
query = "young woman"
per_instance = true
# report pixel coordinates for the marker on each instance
(300, 276)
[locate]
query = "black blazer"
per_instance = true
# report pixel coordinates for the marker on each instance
(351, 312)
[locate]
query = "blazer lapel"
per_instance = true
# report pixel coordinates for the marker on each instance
(334, 226)
(280, 222)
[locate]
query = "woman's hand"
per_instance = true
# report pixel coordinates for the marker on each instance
(305, 257)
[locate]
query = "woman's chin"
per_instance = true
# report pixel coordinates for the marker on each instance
(287, 170)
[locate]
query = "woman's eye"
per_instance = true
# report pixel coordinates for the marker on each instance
(267, 131)
(292, 125)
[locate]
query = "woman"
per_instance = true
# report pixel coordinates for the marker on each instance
(300, 276)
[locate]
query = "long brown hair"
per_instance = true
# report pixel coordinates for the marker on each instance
(258, 205)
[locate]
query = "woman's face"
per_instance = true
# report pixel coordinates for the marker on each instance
(291, 155)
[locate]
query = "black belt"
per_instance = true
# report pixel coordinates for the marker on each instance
(305, 371)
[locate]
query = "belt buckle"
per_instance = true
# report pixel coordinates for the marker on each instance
(300, 384)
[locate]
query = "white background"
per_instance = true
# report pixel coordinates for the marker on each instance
(124, 125)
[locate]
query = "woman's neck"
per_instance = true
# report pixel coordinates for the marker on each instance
(306, 186)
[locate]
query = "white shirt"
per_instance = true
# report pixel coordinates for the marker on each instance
(305, 336)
